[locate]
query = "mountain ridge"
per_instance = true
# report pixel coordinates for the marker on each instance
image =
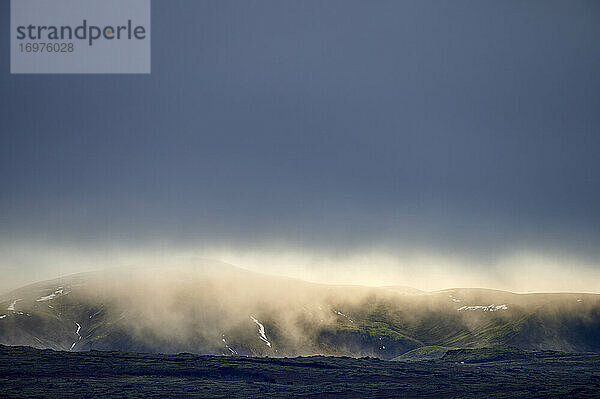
(213, 308)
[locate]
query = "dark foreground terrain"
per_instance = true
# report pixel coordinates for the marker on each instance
(28, 372)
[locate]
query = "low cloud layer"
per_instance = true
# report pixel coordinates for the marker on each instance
(523, 271)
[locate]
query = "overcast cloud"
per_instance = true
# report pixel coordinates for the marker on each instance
(466, 129)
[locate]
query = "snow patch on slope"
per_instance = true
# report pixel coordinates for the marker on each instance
(95, 314)
(485, 308)
(455, 300)
(56, 293)
(12, 305)
(261, 332)
(233, 351)
(78, 336)
(343, 315)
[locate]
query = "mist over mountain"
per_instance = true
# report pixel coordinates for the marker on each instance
(208, 307)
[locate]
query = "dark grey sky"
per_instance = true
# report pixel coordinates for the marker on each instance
(466, 126)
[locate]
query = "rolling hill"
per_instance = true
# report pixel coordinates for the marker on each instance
(208, 307)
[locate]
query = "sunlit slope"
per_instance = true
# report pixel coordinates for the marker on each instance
(212, 308)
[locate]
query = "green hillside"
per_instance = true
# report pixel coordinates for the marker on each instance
(222, 310)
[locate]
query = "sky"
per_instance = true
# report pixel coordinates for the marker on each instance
(418, 143)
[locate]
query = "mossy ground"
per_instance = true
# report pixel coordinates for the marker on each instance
(27, 372)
